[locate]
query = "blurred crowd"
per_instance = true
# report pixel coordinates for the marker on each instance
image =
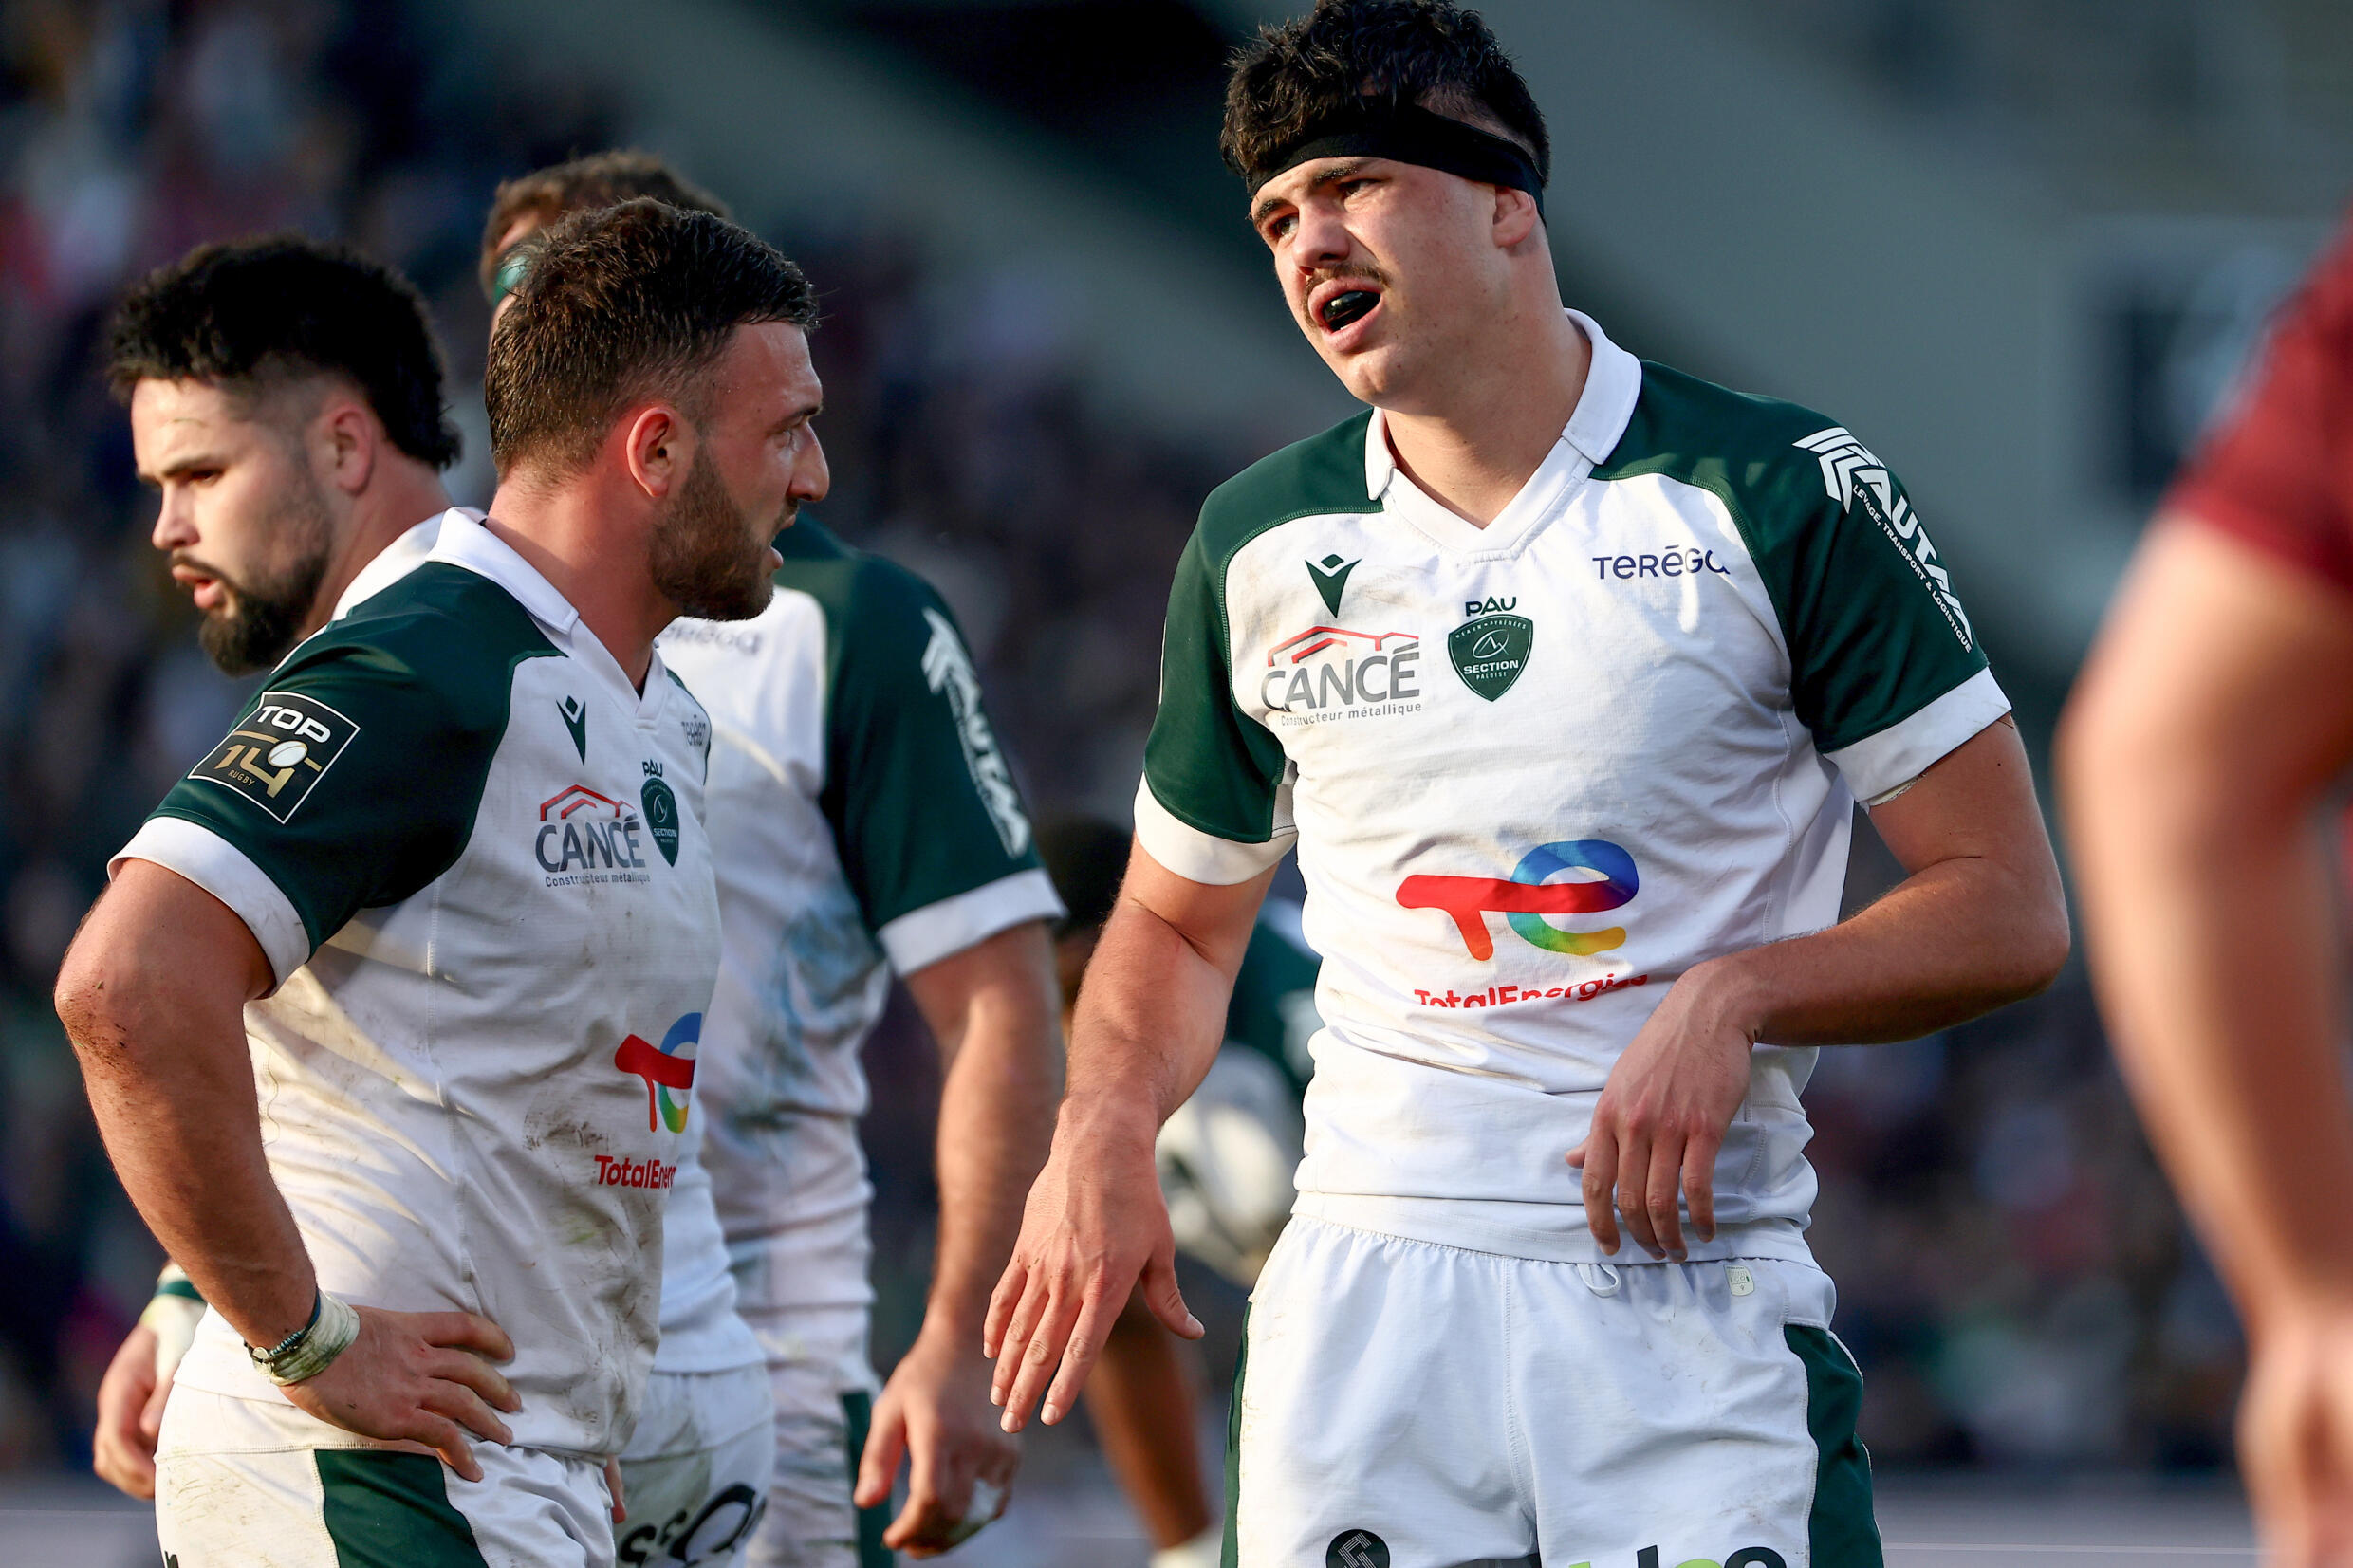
(2014, 1278)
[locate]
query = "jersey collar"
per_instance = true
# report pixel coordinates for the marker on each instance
(1612, 381)
(466, 543)
(397, 559)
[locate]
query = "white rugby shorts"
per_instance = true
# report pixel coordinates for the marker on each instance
(240, 1482)
(1405, 1405)
(694, 1477)
(821, 1434)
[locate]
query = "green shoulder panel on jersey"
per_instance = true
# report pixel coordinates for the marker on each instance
(1208, 764)
(352, 781)
(919, 792)
(1874, 628)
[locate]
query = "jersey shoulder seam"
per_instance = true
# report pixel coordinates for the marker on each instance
(1322, 476)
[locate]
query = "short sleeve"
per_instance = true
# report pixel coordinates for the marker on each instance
(2276, 469)
(933, 833)
(347, 784)
(1885, 667)
(1213, 806)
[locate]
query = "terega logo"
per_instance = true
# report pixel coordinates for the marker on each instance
(1333, 672)
(1605, 880)
(584, 837)
(668, 1070)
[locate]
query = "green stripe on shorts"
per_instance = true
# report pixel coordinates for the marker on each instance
(393, 1510)
(858, 1420)
(1842, 1532)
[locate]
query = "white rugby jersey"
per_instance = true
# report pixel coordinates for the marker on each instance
(1535, 771)
(867, 822)
(700, 1328)
(474, 855)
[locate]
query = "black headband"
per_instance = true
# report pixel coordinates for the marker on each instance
(1373, 127)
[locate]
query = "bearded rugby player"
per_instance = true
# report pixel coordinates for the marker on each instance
(1562, 672)
(869, 825)
(455, 1037)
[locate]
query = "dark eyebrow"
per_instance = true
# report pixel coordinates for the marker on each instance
(1329, 177)
(179, 466)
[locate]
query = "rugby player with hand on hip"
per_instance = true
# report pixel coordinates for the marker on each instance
(867, 824)
(446, 881)
(1562, 671)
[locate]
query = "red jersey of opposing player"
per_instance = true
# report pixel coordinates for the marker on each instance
(2277, 470)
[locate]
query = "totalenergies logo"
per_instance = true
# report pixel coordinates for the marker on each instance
(1606, 880)
(665, 1068)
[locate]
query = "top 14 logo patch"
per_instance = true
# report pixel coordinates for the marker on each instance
(279, 752)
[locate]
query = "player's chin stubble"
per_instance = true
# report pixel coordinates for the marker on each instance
(700, 562)
(258, 621)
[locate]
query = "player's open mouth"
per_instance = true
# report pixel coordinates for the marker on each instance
(1346, 309)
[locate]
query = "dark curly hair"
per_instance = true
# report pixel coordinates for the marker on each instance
(599, 180)
(1427, 53)
(249, 315)
(625, 303)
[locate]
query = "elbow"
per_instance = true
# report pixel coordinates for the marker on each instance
(2044, 946)
(93, 998)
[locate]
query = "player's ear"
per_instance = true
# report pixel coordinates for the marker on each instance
(1515, 218)
(657, 448)
(345, 442)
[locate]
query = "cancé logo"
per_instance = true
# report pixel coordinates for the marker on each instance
(1528, 895)
(1392, 659)
(581, 830)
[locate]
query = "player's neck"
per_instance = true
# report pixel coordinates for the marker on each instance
(595, 555)
(405, 492)
(1473, 444)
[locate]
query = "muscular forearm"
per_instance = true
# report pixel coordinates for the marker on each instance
(996, 1113)
(1954, 941)
(155, 1011)
(1149, 1022)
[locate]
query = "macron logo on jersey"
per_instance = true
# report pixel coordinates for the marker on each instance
(1851, 474)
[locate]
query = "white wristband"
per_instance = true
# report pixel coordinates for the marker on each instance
(337, 1326)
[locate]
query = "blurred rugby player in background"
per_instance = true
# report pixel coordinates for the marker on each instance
(2200, 758)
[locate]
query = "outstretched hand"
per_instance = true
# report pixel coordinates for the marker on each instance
(1095, 1224)
(422, 1378)
(1662, 1118)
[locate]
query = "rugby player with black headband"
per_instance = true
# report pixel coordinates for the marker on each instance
(1562, 674)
